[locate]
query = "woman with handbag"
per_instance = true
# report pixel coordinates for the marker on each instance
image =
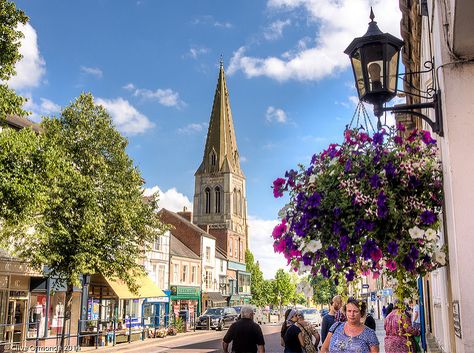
(308, 332)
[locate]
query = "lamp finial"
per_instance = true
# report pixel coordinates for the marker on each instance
(372, 16)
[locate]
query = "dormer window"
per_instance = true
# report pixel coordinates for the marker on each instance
(213, 159)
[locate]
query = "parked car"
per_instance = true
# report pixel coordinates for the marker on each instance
(312, 316)
(216, 318)
(237, 309)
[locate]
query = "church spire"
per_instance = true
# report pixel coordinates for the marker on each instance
(220, 152)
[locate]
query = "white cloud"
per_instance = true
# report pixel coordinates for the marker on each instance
(192, 128)
(338, 22)
(276, 114)
(126, 118)
(223, 24)
(275, 30)
(194, 52)
(261, 245)
(171, 199)
(209, 20)
(94, 71)
(31, 68)
(46, 107)
(243, 159)
(166, 97)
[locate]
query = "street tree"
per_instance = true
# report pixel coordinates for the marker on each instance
(257, 289)
(10, 35)
(93, 218)
(284, 287)
(324, 289)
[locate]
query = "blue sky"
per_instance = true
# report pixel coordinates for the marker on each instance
(154, 66)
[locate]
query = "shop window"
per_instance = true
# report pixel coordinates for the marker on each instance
(37, 315)
(56, 313)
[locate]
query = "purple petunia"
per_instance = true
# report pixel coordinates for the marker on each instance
(392, 248)
(377, 139)
(325, 272)
(348, 166)
(278, 187)
(307, 260)
(309, 171)
(344, 242)
(367, 248)
(413, 253)
(382, 209)
(352, 258)
(427, 139)
(428, 217)
(390, 170)
(314, 200)
(375, 181)
(408, 263)
(332, 253)
(350, 275)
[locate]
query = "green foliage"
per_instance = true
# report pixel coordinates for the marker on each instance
(10, 18)
(284, 288)
(324, 289)
(257, 288)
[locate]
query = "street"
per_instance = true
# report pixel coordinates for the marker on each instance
(201, 342)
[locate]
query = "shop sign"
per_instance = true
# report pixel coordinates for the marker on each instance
(19, 283)
(20, 294)
(373, 296)
(365, 286)
(158, 300)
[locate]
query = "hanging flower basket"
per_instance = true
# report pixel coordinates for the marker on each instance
(370, 206)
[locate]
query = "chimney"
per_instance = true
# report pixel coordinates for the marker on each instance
(188, 215)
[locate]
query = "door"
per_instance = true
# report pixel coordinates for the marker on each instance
(19, 320)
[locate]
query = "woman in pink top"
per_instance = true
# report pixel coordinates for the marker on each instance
(395, 332)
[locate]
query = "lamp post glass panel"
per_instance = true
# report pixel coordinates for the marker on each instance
(375, 58)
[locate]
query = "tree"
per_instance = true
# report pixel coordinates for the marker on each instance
(324, 289)
(284, 288)
(257, 282)
(93, 218)
(10, 35)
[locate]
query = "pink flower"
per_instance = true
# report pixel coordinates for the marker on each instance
(366, 272)
(363, 137)
(400, 127)
(279, 246)
(278, 187)
(391, 265)
(295, 253)
(279, 229)
(376, 254)
(375, 275)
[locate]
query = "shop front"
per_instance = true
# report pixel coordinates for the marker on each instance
(213, 300)
(157, 309)
(186, 301)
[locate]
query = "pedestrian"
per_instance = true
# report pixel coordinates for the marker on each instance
(329, 319)
(370, 321)
(284, 326)
(308, 331)
(293, 337)
(384, 311)
(389, 309)
(246, 336)
(397, 326)
(416, 322)
(351, 336)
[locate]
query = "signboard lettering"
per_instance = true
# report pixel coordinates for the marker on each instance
(457, 319)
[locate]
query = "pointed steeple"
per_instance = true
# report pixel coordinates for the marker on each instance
(220, 152)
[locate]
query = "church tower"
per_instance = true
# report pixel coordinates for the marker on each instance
(220, 204)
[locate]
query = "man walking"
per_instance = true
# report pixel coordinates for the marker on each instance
(246, 336)
(334, 315)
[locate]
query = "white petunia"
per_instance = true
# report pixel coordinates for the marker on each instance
(431, 235)
(440, 257)
(303, 269)
(416, 233)
(312, 179)
(313, 246)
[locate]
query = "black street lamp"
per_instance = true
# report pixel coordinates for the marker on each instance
(375, 58)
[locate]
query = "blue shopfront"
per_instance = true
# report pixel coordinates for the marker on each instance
(156, 310)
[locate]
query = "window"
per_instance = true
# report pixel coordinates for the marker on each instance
(217, 192)
(158, 244)
(184, 275)
(161, 276)
(241, 250)
(213, 159)
(234, 202)
(208, 254)
(208, 279)
(193, 274)
(239, 203)
(244, 283)
(235, 248)
(222, 265)
(176, 273)
(230, 247)
(208, 200)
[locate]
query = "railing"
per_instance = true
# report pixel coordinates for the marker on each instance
(28, 337)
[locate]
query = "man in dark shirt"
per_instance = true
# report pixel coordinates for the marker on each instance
(370, 321)
(246, 336)
(330, 318)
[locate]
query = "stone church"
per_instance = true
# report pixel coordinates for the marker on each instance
(220, 203)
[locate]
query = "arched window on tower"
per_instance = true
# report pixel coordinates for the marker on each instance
(217, 192)
(207, 193)
(239, 203)
(213, 159)
(234, 201)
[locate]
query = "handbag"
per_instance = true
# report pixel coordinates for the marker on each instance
(310, 335)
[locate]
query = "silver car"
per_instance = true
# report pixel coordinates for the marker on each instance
(312, 316)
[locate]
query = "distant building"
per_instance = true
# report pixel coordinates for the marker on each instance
(220, 203)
